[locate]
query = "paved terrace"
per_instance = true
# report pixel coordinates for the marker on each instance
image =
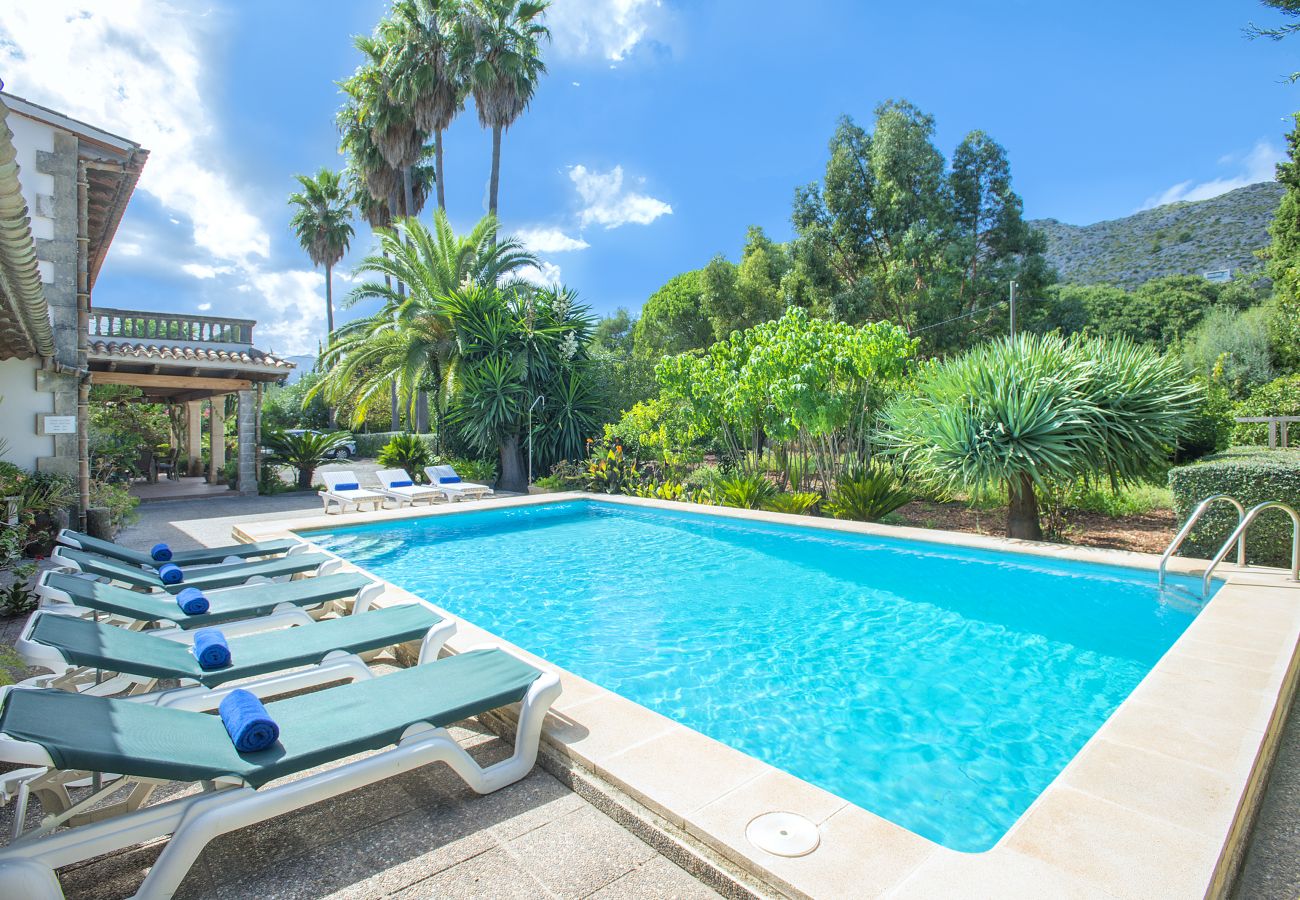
(426, 834)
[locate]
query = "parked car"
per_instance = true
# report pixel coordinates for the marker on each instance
(346, 450)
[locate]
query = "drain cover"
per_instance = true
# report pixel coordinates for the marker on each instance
(783, 833)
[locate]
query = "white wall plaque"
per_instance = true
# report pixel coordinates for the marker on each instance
(58, 425)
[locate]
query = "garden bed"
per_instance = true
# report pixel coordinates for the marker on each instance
(1147, 532)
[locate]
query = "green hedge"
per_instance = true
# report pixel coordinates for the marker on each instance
(1252, 476)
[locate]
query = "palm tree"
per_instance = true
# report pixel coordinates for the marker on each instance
(410, 342)
(500, 44)
(427, 69)
(323, 224)
(390, 125)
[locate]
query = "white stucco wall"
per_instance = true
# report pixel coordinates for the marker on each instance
(20, 404)
(30, 137)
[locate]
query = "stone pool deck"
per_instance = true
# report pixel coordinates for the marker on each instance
(424, 834)
(427, 835)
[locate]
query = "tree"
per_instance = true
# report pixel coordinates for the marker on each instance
(613, 333)
(673, 319)
(410, 342)
(322, 222)
(517, 345)
(1283, 255)
(428, 73)
(500, 42)
(1289, 8)
(891, 233)
(1018, 413)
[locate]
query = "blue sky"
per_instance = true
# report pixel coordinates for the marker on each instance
(662, 130)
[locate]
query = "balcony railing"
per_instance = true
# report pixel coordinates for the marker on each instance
(133, 325)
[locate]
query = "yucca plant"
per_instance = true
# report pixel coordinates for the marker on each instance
(747, 490)
(305, 451)
(1020, 412)
(798, 503)
(409, 452)
(867, 495)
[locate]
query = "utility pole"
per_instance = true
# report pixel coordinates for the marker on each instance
(1013, 309)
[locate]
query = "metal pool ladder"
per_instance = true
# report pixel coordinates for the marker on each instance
(1238, 536)
(1191, 523)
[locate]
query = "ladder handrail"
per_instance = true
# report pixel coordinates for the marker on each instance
(1239, 534)
(1191, 523)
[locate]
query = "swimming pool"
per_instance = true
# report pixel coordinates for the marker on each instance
(939, 687)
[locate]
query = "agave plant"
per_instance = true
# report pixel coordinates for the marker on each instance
(867, 495)
(304, 451)
(1021, 412)
(409, 452)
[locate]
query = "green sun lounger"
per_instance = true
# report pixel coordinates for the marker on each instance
(71, 646)
(403, 715)
(249, 601)
(206, 578)
(205, 556)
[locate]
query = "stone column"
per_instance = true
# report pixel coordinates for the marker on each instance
(246, 423)
(217, 458)
(194, 437)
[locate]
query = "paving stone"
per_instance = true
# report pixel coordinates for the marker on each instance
(580, 853)
(493, 875)
(658, 877)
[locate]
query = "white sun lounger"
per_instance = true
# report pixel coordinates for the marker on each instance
(445, 479)
(405, 714)
(404, 494)
(354, 497)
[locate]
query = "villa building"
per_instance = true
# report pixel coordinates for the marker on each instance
(64, 187)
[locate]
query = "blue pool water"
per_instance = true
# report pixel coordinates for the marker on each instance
(938, 687)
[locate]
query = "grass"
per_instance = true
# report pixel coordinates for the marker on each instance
(1131, 500)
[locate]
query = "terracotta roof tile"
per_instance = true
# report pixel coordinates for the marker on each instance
(129, 350)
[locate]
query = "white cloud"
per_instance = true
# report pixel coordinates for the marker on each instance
(140, 69)
(1253, 167)
(549, 240)
(609, 29)
(607, 203)
(205, 307)
(296, 300)
(546, 274)
(204, 272)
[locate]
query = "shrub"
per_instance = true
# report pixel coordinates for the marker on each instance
(482, 471)
(660, 490)
(1210, 428)
(746, 490)
(119, 502)
(799, 503)
(1280, 397)
(1252, 477)
(565, 476)
(303, 452)
(867, 495)
(407, 451)
(1232, 345)
(609, 471)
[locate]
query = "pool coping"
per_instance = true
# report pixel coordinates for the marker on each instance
(1156, 804)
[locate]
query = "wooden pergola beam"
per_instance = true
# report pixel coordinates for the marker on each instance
(174, 382)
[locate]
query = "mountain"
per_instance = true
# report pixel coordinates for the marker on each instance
(304, 365)
(1189, 238)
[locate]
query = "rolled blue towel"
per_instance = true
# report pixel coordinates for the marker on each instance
(161, 553)
(170, 573)
(449, 479)
(211, 649)
(347, 486)
(247, 722)
(401, 484)
(192, 601)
